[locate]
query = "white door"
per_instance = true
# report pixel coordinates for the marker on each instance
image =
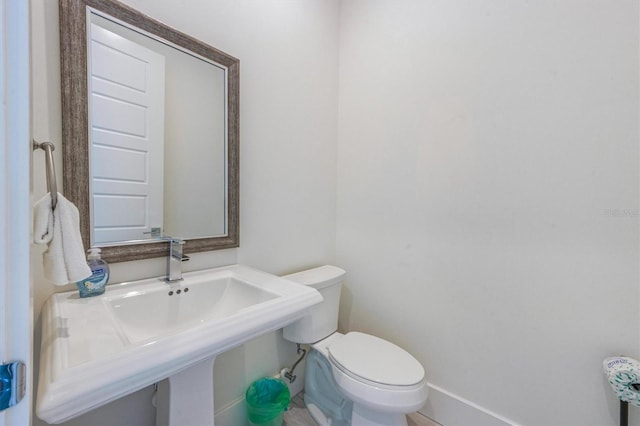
(15, 206)
(126, 104)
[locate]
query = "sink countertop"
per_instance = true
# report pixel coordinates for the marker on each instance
(88, 360)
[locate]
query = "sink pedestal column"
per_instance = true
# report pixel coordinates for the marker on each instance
(186, 398)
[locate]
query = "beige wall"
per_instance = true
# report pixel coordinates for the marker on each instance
(483, 148)
(288, 88)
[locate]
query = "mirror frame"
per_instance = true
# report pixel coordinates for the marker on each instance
(75, 123)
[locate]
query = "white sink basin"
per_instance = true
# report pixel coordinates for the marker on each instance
(200, 301)
(98, 349)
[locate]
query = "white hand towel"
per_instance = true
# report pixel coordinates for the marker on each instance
(64, 260)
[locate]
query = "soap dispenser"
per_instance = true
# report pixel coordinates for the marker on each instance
(95, 284)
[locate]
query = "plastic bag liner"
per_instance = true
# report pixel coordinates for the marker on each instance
(267, 398)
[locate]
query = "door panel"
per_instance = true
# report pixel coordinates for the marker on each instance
(126, 104)
(15, 205)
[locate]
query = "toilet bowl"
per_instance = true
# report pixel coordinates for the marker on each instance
(354, 378)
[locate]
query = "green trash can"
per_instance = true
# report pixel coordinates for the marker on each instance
(267, 399)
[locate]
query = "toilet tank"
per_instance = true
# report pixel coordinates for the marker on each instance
(322, 319)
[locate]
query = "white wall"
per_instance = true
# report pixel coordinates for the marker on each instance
(288, 86)
(487, 184)
(483, 146)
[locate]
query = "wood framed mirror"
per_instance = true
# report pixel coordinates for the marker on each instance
(90, 159)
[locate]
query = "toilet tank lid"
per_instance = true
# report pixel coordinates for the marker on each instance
(319, 277)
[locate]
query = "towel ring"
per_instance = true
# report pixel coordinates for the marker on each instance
(52, 186)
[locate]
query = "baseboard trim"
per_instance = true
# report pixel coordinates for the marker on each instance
(234, 413)
(449, 409)
(442, 406)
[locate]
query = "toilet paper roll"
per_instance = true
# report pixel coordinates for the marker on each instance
(623, 374)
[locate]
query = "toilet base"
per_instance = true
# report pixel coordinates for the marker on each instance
(363, 416)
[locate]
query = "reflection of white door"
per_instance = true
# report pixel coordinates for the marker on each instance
(15, 214)
(126, 86)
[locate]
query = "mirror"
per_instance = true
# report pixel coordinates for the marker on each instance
(150, 132)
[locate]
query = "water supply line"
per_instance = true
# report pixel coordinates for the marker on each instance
(288, 373)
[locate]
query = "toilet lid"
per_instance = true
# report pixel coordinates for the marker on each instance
(376, 360)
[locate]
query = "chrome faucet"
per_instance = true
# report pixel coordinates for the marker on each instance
(175, 259)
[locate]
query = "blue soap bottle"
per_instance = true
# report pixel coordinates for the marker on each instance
(96, 283)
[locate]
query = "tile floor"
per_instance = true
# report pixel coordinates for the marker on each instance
(297, 415)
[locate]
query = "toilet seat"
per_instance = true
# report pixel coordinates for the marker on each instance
(385, 400)
(375, 361)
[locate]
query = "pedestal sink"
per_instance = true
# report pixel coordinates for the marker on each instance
(98, 349)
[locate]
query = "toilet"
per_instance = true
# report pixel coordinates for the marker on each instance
(354, 378)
